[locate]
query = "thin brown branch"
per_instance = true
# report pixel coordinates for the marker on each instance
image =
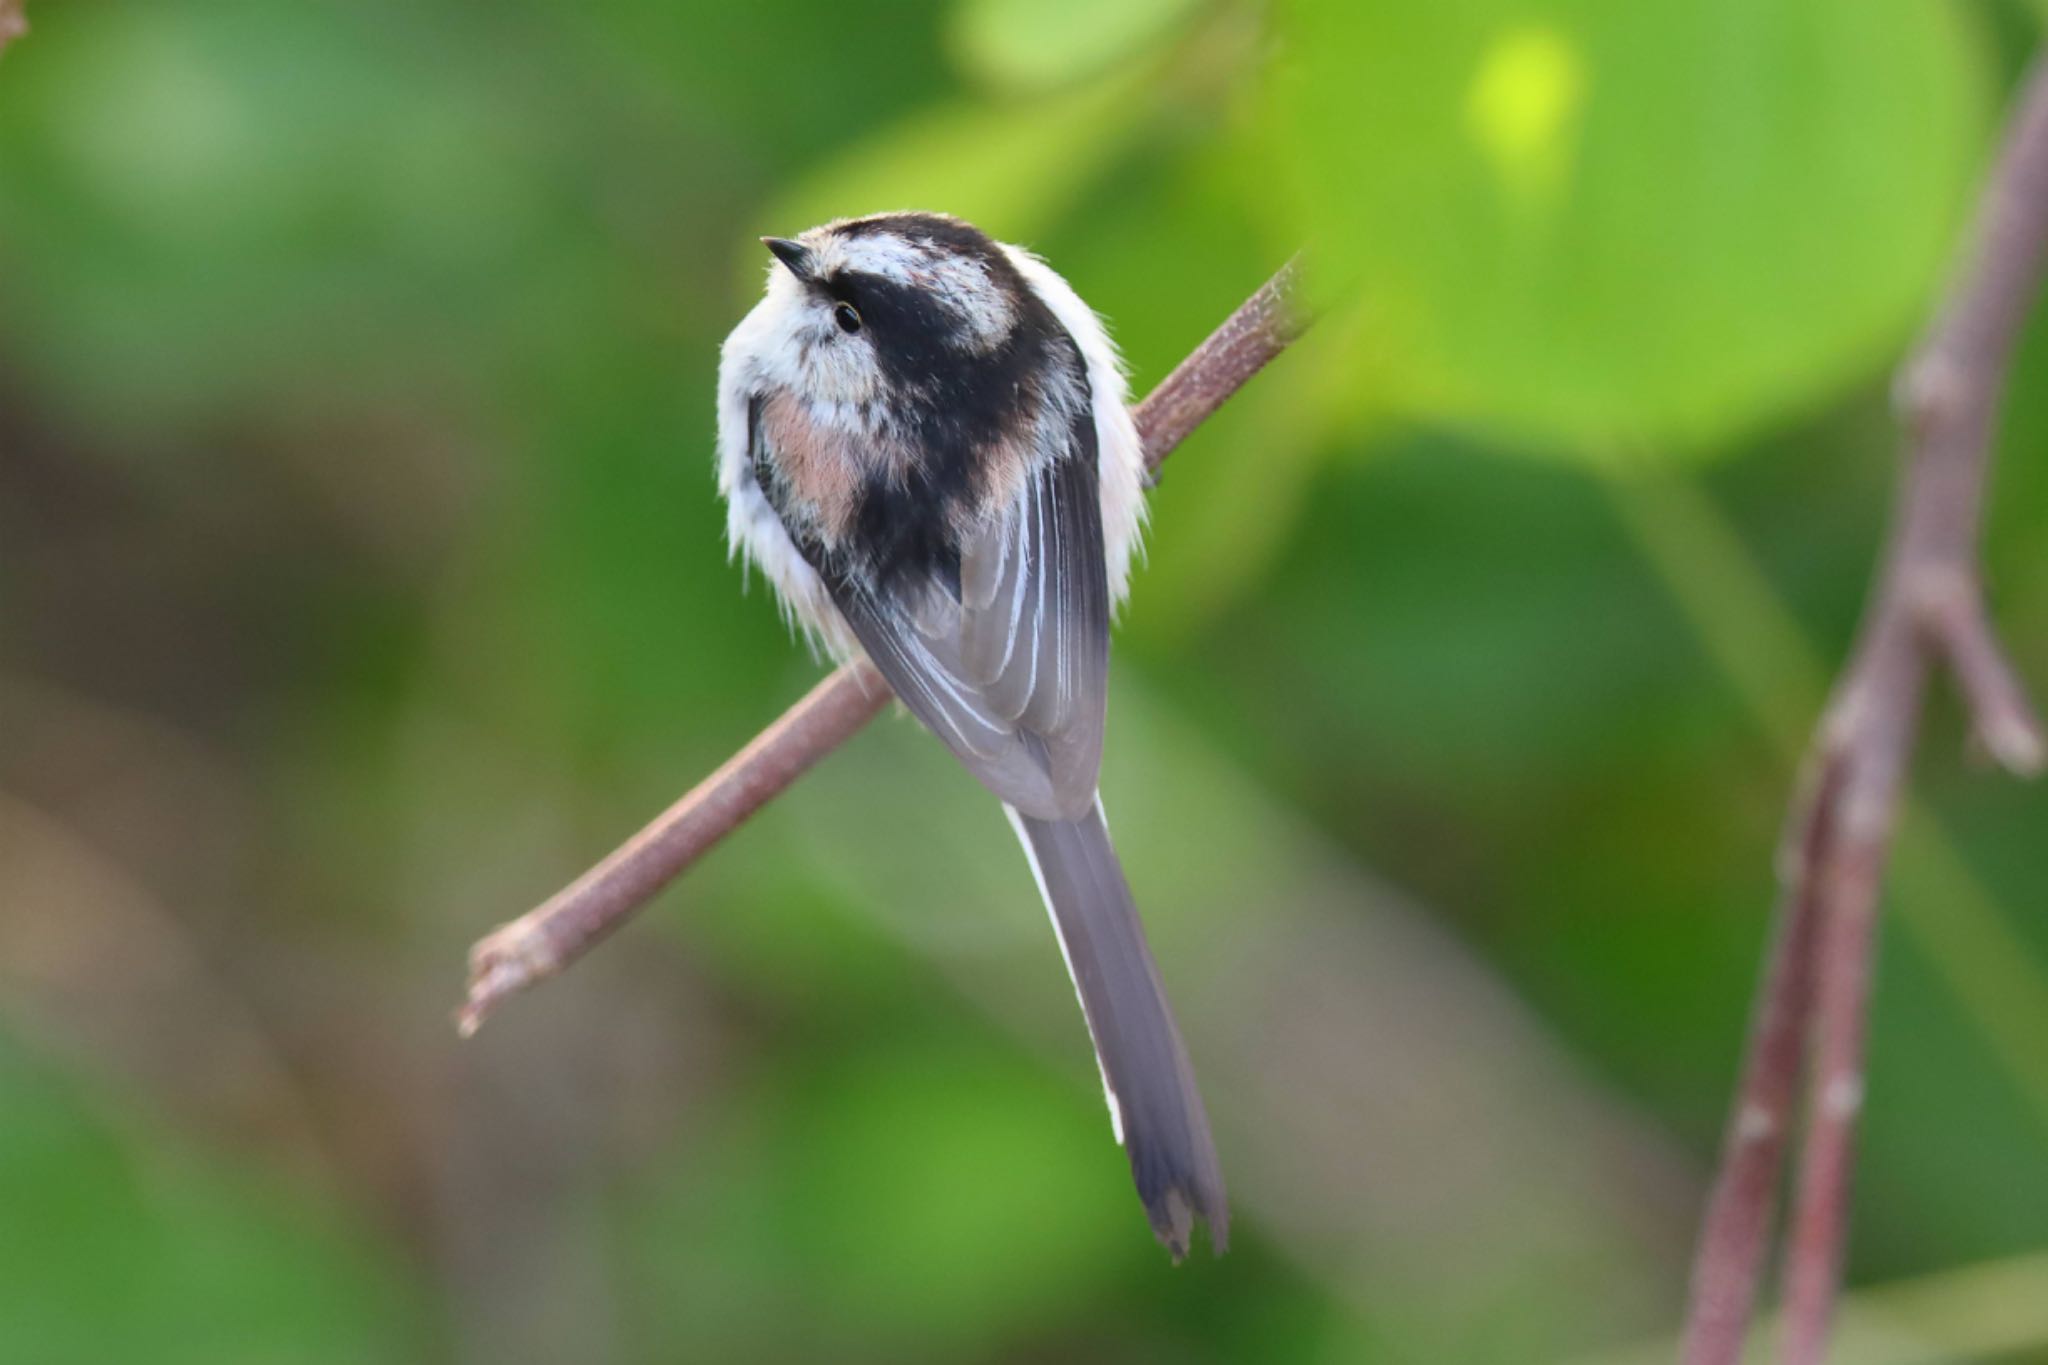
(543, 941)
(2001, 716)
(1927, 610)
(1855, 831)
(1739, 1209)
(13, 22)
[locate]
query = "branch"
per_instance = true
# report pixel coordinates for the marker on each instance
(13, 22)
(1739, 1208)
(543, 941)
(1927, 611)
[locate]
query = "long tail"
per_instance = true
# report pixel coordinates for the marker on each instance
(1153, 1104)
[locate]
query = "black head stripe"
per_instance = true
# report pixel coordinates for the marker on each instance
(947, 234)
(943, 236)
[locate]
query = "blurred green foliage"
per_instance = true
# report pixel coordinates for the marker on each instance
(361, 580)
(1609, 223)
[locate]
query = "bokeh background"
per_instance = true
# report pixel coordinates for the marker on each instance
(361, 580)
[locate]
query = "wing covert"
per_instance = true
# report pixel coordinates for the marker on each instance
(1008, 664)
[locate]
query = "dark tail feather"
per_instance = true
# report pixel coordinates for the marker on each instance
(1153, 1102)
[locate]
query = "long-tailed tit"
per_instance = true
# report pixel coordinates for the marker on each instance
(923, 443)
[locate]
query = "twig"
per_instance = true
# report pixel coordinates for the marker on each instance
(1739, 1209)
(543, 941)
(13, 22)
(1927, 609)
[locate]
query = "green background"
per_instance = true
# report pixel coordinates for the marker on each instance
(361, 580)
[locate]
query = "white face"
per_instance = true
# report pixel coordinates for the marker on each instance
(957, 282)
(794, 338)
(795, 343)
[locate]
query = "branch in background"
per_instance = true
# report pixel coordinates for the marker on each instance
(1927, 610)
(543, 941)
(1739, 1208)
(13, 22)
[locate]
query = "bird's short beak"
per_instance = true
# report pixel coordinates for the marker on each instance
(795, 255)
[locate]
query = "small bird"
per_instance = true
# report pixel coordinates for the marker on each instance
(924, 443)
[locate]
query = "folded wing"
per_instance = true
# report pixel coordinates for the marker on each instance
(1009, 666)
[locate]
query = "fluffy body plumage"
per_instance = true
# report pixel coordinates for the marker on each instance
(924, 444)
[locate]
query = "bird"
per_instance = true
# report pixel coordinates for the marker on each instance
(925, 445)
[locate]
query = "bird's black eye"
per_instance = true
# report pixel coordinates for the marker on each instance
(848, 318)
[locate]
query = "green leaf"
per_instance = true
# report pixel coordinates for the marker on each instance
(1598, 222)
(1040, 44)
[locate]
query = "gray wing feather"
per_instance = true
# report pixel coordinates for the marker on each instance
(1013, 674)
